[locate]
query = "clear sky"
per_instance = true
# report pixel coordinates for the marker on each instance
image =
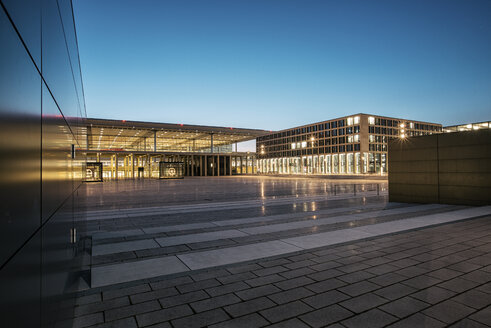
(275, 64)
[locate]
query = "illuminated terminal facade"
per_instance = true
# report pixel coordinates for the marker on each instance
(349, 145)
(467, 127)
(119, 149)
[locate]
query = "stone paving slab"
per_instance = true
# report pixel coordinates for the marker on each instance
(294, 291)
(117, 273)
(205, 259)
(306, 215)
(132, 212)
(123, 247)
(317, 222)
(199, 237)
(230, 255)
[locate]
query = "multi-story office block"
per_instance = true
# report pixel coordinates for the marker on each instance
(355, 144)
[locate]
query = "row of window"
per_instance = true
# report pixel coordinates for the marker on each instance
(314, 128)
(314, 136)
(311, 151)
(399, 124)
(377, 147)
(312, 144)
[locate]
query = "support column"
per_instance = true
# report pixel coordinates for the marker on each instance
(155, 141)
(98, 157)
(200, 160)
(211, 148)
(125, 166)
(218, 165)
(206, 165)
(149, 164)
(116, 167)
(192, 165)
(132, 166)
(230, 165)
(213, 165)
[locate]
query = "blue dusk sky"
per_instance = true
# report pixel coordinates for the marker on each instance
(275, 64)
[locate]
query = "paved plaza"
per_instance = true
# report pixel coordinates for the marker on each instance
(281, 252)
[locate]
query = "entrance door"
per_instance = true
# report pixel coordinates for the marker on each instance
(140, 172)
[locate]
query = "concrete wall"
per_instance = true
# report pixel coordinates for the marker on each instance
(450, 168)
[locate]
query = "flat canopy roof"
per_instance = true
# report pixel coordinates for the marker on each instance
(104, 134)
(98, 122)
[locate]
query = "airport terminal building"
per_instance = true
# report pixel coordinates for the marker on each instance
(350, 145)
(120, 149)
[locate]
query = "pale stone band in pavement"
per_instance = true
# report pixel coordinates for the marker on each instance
(124, 272)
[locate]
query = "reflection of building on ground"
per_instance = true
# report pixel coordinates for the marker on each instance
(348, 145)
(129, 149)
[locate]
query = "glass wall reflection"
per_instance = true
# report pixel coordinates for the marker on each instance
(40, 174)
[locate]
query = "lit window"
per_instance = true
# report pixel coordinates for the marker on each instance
(371, 138)
(402, 125)
(371, 120)
(350, 138)
(357, 119)
(411, 125)
(357, 138)
(350, 121)
(304, 144)
(293, 145)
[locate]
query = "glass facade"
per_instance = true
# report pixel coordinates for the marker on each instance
(40, 169)
(349, 145)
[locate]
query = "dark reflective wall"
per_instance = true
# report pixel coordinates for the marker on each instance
(41, 108)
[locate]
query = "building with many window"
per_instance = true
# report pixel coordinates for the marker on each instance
(349, 145)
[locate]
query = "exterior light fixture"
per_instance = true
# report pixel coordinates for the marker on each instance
(403, 136)
(402, 125)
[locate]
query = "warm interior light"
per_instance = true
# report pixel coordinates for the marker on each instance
(402, 125)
